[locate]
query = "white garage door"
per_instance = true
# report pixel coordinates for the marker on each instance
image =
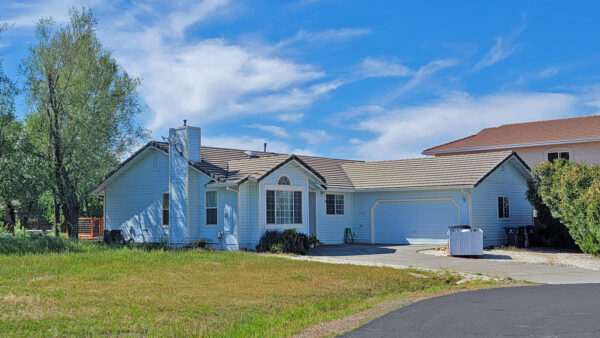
(422, 222)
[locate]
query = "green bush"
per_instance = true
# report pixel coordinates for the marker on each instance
(551, 230)
(571, 191)
(288, 241)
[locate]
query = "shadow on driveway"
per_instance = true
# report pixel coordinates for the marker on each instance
(354, 250)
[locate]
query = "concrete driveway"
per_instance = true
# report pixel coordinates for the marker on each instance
(408, 256)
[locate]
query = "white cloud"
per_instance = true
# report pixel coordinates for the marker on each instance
(424, 72)
(254, 143)
(503, 48)
(208, 79)
(275, 130)
(314, 137)
(405, 132)
(528, 77)
(371, 67)
(289, 117)
(326, 35)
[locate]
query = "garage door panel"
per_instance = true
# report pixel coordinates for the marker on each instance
(414, 222)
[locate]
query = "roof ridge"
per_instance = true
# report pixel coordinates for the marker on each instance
(434, 158)
(550, 120)
(260, 158)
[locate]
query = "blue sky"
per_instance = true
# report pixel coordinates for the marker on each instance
(354, 79)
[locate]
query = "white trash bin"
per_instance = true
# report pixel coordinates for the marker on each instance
(465, 241)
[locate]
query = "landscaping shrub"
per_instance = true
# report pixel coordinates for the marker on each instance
(571, 191)
(288, 241)
(550, 230)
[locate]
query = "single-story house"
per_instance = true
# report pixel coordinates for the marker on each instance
(576, 139)
(180, 191)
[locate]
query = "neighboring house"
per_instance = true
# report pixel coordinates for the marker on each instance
(576, 139)
(181, 191)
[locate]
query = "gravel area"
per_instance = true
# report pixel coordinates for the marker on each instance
(536, 255)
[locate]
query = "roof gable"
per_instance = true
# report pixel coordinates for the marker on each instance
(230, 166)
(559, 131)
(432, 172)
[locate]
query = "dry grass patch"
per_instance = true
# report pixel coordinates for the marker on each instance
(195, 292)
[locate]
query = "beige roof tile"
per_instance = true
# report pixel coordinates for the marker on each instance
(458, 170)
(235, 166)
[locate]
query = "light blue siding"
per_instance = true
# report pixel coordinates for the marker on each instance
(226, 201)
(298, 179)
(504, 181)
(364, 201)
(133, 200)
(197, 225)
(248, 229)
(194, 144)
(178, 191)
(331, 228)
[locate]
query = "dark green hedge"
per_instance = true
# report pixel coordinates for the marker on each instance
(288, 241)
(571, 191)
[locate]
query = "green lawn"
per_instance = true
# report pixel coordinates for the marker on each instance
(190, 292)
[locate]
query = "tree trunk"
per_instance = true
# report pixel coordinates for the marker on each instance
(71, 214)
(12, 214)
(56, 218)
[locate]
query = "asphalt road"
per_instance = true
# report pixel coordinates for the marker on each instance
(530, 311)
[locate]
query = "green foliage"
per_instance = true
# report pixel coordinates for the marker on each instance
(24, 243)
(551, 230)
(571, 192)
(288, 241)
(82, 109)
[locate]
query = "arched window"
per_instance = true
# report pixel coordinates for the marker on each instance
(284, 180)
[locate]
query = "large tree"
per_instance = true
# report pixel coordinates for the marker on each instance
(10, 132)
(82, 108)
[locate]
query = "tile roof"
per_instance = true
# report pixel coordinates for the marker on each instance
(235, 166)
(443, 171)
(521, 134)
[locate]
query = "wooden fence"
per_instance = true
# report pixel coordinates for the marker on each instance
(90, 228)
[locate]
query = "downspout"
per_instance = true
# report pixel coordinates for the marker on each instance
(470, 207)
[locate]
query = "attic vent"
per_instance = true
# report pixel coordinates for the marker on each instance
(250, 153)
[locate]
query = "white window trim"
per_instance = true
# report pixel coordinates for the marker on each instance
(284, 185)
(284, 188)
(559, 150)
(335, 215)
(162, 209)
(206, 208)
(509, 211)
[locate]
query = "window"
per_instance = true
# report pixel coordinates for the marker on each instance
(284, 180)
(284, 207)
(334, 204)
(165, 210)
(211, 208)
(503, 207)
(554, 155)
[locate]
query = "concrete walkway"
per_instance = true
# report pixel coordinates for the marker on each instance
(407, 255)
